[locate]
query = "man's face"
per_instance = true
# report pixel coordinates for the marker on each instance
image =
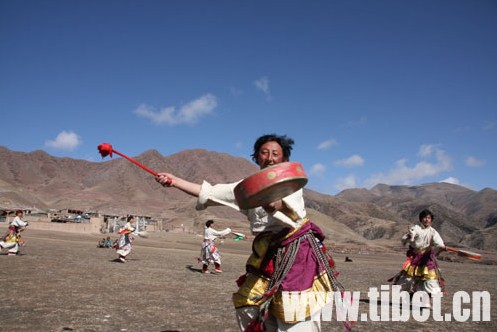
(426, 221)
(270, 154)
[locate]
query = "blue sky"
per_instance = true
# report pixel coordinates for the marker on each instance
(386, 91)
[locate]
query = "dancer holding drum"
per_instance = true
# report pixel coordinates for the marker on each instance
(12, 239)
(288, 251)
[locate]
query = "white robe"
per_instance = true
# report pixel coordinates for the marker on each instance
(125, 239)
(421, 238)
(209, 251)
(260, 220)
(11, 241)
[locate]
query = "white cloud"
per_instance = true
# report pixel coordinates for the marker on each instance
(352, 161)
(474, 162)
(236, 92)
(262, 84)
(363, 120)
(317, 169)
(347, 182)
(489, 125)
(325, 145)
(66, 141)
(451, 180)
(188, 114)
(402, 174)
(426, 150)
(463, 129)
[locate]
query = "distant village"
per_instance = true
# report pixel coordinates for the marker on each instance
(74, 220)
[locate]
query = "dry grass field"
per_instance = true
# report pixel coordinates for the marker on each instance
(63, 282)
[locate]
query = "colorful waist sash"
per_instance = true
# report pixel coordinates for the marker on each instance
(309, 270)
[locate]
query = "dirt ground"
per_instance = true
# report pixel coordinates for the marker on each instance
(63, 282)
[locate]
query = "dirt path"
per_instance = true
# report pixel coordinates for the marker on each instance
(62, 282)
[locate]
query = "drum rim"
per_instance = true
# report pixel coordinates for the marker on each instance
(242, 195)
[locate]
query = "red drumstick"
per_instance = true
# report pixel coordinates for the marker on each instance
(465, 253)
(106, 149)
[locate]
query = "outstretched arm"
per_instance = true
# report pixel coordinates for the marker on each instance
(409, 236)
(169, 180)
(224, 232)
(438, 242)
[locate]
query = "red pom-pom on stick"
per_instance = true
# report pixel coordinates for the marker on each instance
(106, 149)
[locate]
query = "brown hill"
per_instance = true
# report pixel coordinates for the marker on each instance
(360, 217)
(463, 216)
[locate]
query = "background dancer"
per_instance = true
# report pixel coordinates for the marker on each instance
(12, 239)
(209, 252)
(125, 239)
(420, 271)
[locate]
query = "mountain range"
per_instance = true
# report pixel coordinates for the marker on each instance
(375, 217)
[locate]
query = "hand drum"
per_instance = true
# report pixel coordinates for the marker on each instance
(270, 184)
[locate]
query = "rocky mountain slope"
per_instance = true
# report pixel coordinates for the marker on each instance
(375, 217)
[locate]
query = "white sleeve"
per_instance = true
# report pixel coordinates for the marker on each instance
(295, 202)
(219, 194)
(437, 240)
(410, 235)
(221, 233)
(129, 227)
(19, 222)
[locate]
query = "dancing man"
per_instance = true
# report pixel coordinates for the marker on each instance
(288, 251)
(420, 271)
(209, 252)
(125, 239)
(12, 239)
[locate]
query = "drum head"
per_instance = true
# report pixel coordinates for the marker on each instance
(270, 184)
